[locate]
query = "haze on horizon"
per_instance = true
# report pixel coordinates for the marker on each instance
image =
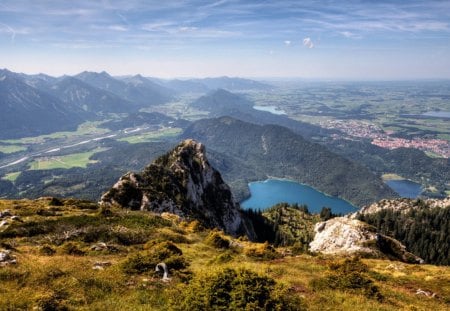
(285, 38)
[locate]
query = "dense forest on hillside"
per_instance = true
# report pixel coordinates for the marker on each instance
(423, 230)
(277, 151)
(407, 162)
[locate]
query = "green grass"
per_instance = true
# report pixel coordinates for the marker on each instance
(68, 161)
(11, 176)
(83, 129)
(152, 136)
(11, 148)
(64, 278)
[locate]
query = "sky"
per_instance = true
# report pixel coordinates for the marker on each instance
(336, 39)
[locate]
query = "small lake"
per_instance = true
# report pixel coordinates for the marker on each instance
(265, 194)
(271, 109)
(438, 114)
(405, 188)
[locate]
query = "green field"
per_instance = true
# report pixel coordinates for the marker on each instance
(11, 176)
(67, 161)
(83, 129)
(11, 148)
(152, 136)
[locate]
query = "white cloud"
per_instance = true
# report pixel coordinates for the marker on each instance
(308, 43)
(287, 43)
(117, 28)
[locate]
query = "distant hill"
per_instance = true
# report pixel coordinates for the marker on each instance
(27, 111)
(224, 103)
(279, 152)
(233, 84)
(211, 84)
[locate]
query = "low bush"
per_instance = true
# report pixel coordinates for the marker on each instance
(217, 240)
(235, 290)
(263, 251)
(351, 275)
(147, 260)
(72, 248)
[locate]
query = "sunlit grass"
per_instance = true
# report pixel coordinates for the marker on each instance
(83, 129)
(69, 280)
(68, 161)
(152, 136)
(11, 176)
(12, 148)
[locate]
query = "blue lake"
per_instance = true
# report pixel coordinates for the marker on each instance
(438, 114)
(265, 194)
(405, 188)
(271, 109)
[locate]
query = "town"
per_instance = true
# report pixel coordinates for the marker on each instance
(360, 129)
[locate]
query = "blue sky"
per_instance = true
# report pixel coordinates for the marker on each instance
(282, 38)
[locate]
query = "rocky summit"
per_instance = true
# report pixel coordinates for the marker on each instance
(343, 235)
(182, 182)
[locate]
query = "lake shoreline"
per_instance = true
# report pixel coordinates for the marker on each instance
(291, 191)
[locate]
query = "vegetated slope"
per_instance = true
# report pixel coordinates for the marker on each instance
(223, 103)
(59, 254)
(87, 97)
(279, 152)
(184, 183)
(407, 162)
(26, 111)
(423, 226)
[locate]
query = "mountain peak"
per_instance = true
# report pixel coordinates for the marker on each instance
(182, 182)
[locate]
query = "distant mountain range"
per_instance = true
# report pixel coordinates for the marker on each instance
(27, 111)
(40, 104)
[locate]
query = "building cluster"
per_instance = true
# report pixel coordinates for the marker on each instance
(437, 146)
(361, 129)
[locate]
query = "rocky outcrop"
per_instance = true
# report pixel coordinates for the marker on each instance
(342, 235)
(402, 205)
(182, 182)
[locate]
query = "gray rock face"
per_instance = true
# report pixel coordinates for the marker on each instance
(182, 182)
(342, 235)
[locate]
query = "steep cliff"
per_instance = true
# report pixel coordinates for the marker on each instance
(182, 182)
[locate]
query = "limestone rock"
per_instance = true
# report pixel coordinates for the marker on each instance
(182, 182)
(6, 258)
(343, 235)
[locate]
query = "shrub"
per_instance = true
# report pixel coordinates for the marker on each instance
(349, 275)
(217, 240)
(147, 260)
(235, 290)
(47, 250)
(55, 202)
(50, 302)
(263, 251)
(72, 248)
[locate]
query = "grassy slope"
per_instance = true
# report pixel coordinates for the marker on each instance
(64, 279)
